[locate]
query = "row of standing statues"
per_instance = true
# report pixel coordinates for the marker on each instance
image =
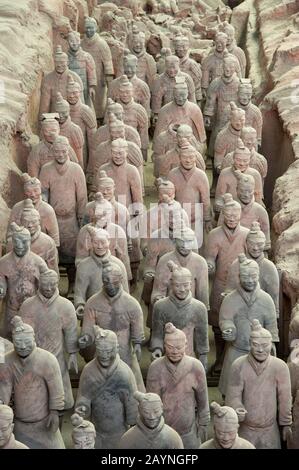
(201, 253)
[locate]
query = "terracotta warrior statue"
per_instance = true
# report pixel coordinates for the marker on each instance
(106, 392)
(166, 162)
(226, 426)
(102, 218)
(221, 91)
(84, 117)
(146, 65)
(140, 90)
(54, 321)
(192, 186)
(7, 438)
(103, 151)
(181, 111)
(180, 381)
(212, 64)
(32, 375)
(252, 211)
(121, 217)
(150, 430)
(134, 113)
(228, 138)
(165, 83)
(257, 161)
(20, 271)
(128, 187)
(56, 81)
(229, 177)
(253, 115)
(170, 140)
(224, 244)
(89, 270)
(183, 311)
(100, 51)
(238, 309)
(48, 221)
(69, 129)
(259, 390)
(187, 65)
(41, 244)
(118, 311)
(43, 153)
(83, 64)
(183, 255)
(103, 132)
(231, 45)
(256, 244)
(83, 434)
(63, 177)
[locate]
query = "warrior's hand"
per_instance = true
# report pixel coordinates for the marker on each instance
(211, 268)
(286, 433)
(207, 121)
(2, 292)
(53, 421)
(208, 226)
(156, 354)
(73, 363)
(80, 312)
(137, 351)
(92, 93)
(202, 432)
(84, 341)
(228, 334)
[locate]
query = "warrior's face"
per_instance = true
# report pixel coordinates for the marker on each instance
(90, 30)
(260, 348)
(21, 244)
(31, 222)
(33, 193)
(24, 343)
(226, 433)
(150, 414)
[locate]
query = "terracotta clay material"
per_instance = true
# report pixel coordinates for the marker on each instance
(185, 242)
(293, 442)
(89, 270)
(258, 372)
(257, 161)
(83, 434)
(181, 383)
(185, 312)
(253, 115)
(150, 431)
(54, 321)
(84, 117)
(43, 153)
(41, 244)
(58, 177)
(102, 218)
(19, 274)
(146, 65)
(103, 132)
(56, 81)
(231, 45)
(134, 113)
(106, 392)
(191, 185)
(188, 65)
(114, 308)
(221, 92)
(226, 425)
(229, 177)
(164, 84)
(224, 244)
(8, 440)
(33, 376)
(227, 139)
(128, 188)
(48, 221)
(140, 90)
(69, 129)
(83, 64)
(212, 65)
(251, 211)
(238, 309)
(100, 51)
(256, 243)
(181, 111)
